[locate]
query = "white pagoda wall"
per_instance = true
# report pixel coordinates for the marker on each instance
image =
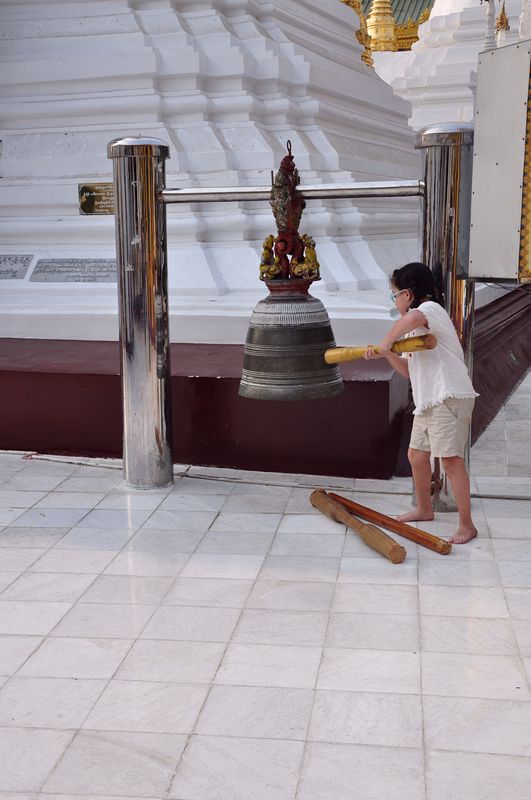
(225, 83)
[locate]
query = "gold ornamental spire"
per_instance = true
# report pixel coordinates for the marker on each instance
(381, 26)
(362, 34)
(502, 21)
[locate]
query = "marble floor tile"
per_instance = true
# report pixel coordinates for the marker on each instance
(15, 498)
(8, 516)
(468, 635)
(141, 590)
(76, 658)
(372, 570)
(114, 519)
(477, 725)
(522, 631)
(193, 502)
(188, 485)
(259, 503)
(256, 712)
(48, 586)
(261, 488)
(142, 563)
(391, 720)
(300, 568)
(377, 599)
(370, 671)
(181, 520)
(47, 702)
(14, 650)
(117, 764)
(349, 772)
(217, 592)
(519, 603)
(17, 559)
(477, 776)
(95, 539)
(509, 528)
(246, 522)
(86, 500)
(470, 572)
(7, 578)
(147, 707)
(501, 509)
(39, 538)
(291, 595)
(373, 631)
(172, 662)
(238, 769)
(134, 501)
(71, 561)
(512, 549)
(28, 618)
(471, 675)
(312, 544)
(192, 624)
(463, 601)
(265, 626)
(310, 523)
(49, 518)
(216, 565)
(236, 542)
(107, 621)
(33, 482)
(479, 549)
(28, 755)
(103, 483)
(515, 573)
(165, 542)
(269, 665)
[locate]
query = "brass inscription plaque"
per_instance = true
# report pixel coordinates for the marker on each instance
(96, 198)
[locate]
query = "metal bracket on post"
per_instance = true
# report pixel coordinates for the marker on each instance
(446, 235)
(140, 219)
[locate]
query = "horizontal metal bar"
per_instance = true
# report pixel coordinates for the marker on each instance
(325, 191)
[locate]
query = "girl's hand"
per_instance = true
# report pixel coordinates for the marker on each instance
(370, 353)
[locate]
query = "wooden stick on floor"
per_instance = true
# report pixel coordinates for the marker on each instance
(408, 531)
(372, 536)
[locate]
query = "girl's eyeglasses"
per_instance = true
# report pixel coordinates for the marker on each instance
(394, 295)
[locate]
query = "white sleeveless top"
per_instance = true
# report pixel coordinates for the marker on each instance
(439, 373)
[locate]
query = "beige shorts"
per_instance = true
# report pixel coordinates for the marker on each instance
(443, 429)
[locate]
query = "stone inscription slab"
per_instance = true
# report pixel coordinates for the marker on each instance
(75, 270)
(96, 198)
(14, 267)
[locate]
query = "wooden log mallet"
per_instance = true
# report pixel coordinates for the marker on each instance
(372, 536)
(402, 528)
(415, 344)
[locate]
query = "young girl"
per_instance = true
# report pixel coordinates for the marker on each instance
(442, 392)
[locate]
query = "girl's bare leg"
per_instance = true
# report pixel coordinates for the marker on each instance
(421, 468)
(456, 471)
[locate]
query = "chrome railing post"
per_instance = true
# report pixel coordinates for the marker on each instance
(446, 234)
(140, 219)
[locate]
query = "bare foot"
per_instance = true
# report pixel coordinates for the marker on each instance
(416, 515)
(463, 535)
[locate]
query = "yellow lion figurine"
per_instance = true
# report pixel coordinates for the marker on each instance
(269, 265)
(309, 267)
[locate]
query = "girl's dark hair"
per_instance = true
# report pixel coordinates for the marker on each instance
(419, 279)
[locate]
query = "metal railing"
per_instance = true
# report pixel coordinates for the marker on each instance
(141, 255)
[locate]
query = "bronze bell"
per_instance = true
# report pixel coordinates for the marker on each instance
(289, 330)
(284, 351)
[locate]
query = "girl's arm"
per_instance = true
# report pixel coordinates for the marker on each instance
(407, 323)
